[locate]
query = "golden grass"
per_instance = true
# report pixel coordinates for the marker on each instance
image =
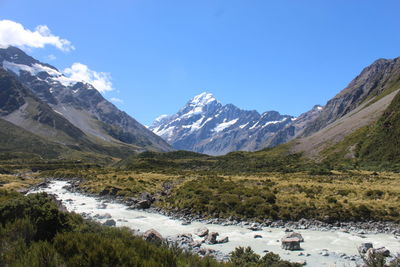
(18, 182)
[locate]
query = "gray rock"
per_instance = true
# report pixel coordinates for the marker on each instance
(295, 235)
(211, 238)
(363, 248)
(104, 216)
(257, 236)
(255, 227)
(101, 206)
(291, 243)
(223, 240)
(143, 204)
(153, 236)
(110, 223)
(374, 251)
(202, 232)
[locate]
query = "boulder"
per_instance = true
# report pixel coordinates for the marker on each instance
(325, 253)
(374, 251)
(104, 216)
(363, 248)
(143, 204)
(109, 191)
(255, 227)
(147, 196)
(257, 236)
(202, 232)
(211, 238)
(223, 240)
(153, 236)
(102, 206)
(110, 223)
(291, 243)
(383, 251)
(296, 235)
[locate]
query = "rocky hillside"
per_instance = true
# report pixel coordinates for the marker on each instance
(205, 125)
(350, 120)
(76, 105)
(376, 81)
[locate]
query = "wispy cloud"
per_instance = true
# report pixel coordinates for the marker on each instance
(51, 57)
(13, 33)
(80, 72)
(116, 100)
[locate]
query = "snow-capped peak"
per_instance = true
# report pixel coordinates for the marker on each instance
(202, 99)
(161, 117)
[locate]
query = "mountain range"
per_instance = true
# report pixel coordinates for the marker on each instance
(39, 100)
(204, 125)
(47, 115)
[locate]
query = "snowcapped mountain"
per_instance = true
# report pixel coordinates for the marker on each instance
(205, 125)
(77, 102)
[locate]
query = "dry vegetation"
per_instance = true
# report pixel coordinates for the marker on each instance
(18, 182)
(350, 195)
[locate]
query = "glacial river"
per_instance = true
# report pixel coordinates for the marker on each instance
(320, 248)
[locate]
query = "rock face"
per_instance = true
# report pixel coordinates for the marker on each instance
(372, 81)
(291, 243)
(205, 125)
(74, 107)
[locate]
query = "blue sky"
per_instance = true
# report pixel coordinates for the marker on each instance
(263, 55)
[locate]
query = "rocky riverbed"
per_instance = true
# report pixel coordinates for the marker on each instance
(324, 244)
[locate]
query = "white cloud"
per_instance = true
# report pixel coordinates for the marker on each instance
(51, 57)
(116, 100)
(80, 72)
(13, 33)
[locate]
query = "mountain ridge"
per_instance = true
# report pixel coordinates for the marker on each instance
(207, 126)
(43, 96)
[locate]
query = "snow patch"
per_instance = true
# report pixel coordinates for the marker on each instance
(222, 126)
(243, 126)
(274, 122)
(35, 69)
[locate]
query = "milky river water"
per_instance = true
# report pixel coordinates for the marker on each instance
(320, 248)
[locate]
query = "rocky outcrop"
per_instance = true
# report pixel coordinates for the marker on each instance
(372, 81)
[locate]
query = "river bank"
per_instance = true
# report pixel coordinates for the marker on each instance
(361, 228)
(323, 246)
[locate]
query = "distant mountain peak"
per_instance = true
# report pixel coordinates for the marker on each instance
(202, 99)
(207, 126)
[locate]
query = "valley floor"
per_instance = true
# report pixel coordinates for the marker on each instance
(328, 201)
(331, 197)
